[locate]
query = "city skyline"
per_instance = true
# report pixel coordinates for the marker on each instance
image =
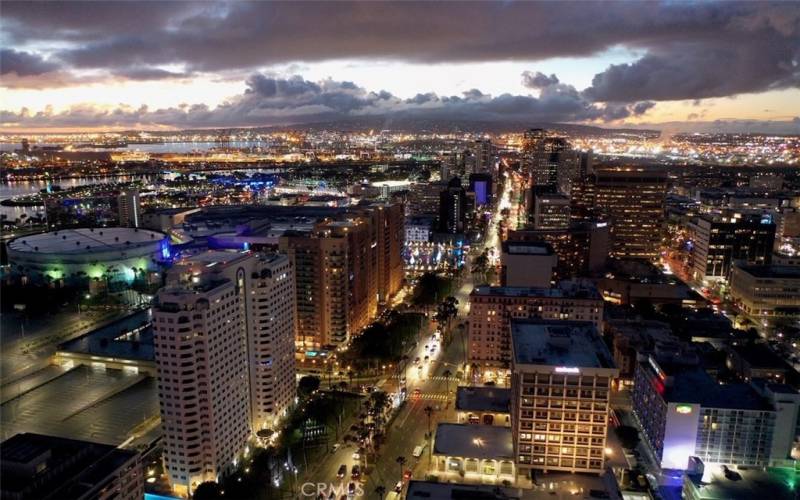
(713, 66)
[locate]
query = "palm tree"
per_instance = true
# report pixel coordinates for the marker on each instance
(380, 490)
(329, 371)
(401, 461)
(446, 374)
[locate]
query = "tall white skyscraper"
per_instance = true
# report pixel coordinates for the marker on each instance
(128, 208)
(229, 317)
(199, 338)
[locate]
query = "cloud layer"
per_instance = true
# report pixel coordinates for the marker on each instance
(276, 101)
(690, 51)
(686, 51)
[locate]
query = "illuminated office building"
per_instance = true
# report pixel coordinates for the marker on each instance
(491, 310)
(550, 211)
(717, 241)
(453, 208)
(346, 269)
(128, 208)
(632, 200)
(550, 160)
(684, 412)
(561, 376)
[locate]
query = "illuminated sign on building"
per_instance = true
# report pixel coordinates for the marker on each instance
(684, 409)
(567, 369)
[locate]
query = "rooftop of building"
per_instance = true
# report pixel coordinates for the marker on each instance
(564, 289)
(759, 355)
(640, 327)
(474, 441)
(696, 386)
(527, 248)
(494, 399)
(73, 467)
(130, 337)
(191, 288)
(752, 483)
(83, 240)
(559, 343)
(735, 217)
(213, 257)
(641, 271)
(436, 491)
(779, 272)
(693, 385)
(774, 387)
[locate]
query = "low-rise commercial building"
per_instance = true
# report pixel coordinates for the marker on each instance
(766, 293)
(477, 452)
(753, 360)
(483, 405)
(630, 281)
(38, 467)
(561, 383)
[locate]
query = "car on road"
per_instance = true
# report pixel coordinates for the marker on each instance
(351, 488)
(416, 360)
(342, 471)
(398, 487)
(407, 475)
(356, 455)
(417, 393)
(356, 473)
(335, 447)
(418, 451)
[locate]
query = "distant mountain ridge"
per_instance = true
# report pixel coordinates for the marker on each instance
(424, 125)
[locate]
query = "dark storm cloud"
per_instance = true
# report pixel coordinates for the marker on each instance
(694, 70)
(690, 51)
(24, 63)
(275, 101)
(538, 80)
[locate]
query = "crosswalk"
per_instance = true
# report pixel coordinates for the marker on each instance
(432, 396)
(438, 378)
